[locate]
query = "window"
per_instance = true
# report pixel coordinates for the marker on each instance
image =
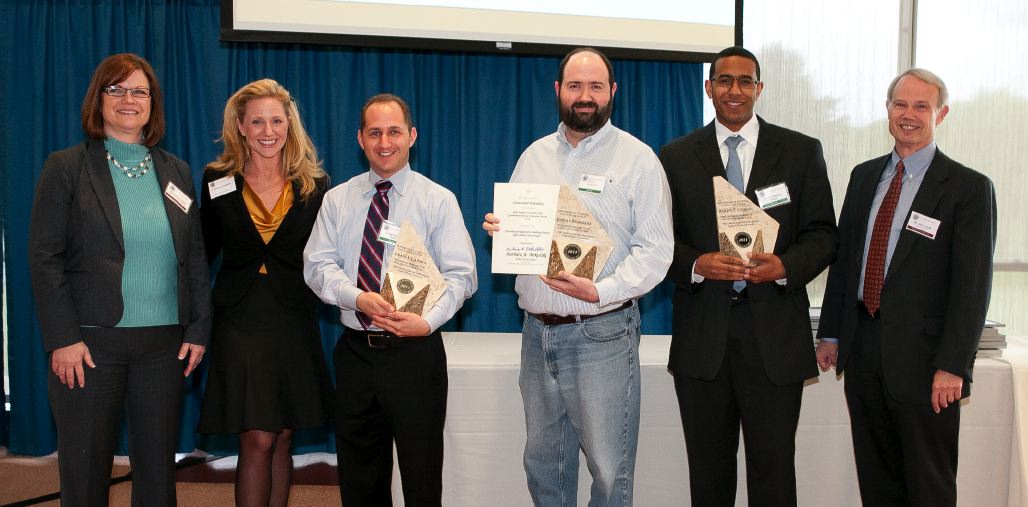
(826, 68)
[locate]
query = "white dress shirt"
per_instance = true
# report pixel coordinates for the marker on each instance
(746, 150)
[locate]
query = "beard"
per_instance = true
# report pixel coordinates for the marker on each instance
(585, 123)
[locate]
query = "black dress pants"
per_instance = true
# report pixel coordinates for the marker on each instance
(741, 394)
(386, 394)
(906, 454)
(137, 368)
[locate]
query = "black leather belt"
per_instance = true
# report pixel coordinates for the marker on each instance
(556, 320)
(375, 339)
(738, 297)
(862, 311)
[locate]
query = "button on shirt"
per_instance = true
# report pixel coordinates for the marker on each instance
(634, 208)
(333, 250)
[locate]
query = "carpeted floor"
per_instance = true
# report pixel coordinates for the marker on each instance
(24, 479)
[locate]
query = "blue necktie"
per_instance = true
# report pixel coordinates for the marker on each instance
(734, 172)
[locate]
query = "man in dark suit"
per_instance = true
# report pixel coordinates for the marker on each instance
(741, 345)
(906, 300)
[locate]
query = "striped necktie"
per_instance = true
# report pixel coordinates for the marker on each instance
(372, 249)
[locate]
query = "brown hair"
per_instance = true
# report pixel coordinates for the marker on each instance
(299, 157)
(385, 98)
(603, 57)
(113, 70)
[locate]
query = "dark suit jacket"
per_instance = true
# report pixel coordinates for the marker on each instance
(229, 230)
(76, 249)
(936, 291)
(806, 244)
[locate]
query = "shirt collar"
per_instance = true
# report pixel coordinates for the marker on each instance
(399, 181)
(749, 131)
(605, 131)
(915, 163)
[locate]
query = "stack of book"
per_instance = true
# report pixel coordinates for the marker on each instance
(993, 342)
(991, 345)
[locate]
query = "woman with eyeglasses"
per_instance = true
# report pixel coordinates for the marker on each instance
(268, 377)
(120, 279)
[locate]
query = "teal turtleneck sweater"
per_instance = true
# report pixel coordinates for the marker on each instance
(149, 280)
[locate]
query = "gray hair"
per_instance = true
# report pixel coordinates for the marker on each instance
(926, 76)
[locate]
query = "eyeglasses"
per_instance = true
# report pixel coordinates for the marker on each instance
(117, 91)
(726, 82)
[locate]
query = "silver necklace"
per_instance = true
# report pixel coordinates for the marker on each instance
(136, 171)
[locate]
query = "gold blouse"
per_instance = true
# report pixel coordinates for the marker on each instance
(265, 221)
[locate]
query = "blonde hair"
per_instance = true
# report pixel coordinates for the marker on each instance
(299, 157)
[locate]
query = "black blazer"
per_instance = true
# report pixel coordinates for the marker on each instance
(229, 230)
(806, 244)
(936, 292)
(76, 249)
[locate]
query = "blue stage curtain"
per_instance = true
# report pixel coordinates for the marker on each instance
(474, 113)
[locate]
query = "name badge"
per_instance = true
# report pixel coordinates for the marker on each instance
(592, 183)
(923, 225)
(222, 186)
(178, 197)
(773, 195)
(389, 232)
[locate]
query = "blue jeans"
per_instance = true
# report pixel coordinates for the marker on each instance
(580, 386)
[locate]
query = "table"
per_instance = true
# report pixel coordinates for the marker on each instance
(485, 432)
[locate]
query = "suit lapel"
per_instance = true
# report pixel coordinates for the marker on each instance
(764, 158)
(103, 185)
(709, 153)
(295, 209)
(241, 213)
(928, 195)
(177, 219)
(866, 197)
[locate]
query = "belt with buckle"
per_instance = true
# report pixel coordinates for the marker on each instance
(375, 339)
(862, 311)
(556, 320)
(738, 297)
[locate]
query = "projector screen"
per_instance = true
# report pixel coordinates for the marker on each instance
(682, 30)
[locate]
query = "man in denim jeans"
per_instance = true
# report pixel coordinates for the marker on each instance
(580, 344)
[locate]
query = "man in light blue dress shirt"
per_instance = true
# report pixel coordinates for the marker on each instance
(580, 344)
(391, 380)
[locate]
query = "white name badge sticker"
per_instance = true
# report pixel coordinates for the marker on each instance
(773, 196)
(389, 232)
(923, 225)
(222, 186)
(178, 197)
(592, 183)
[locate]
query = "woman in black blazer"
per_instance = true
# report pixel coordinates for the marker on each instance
(121, 288)
(259, 202)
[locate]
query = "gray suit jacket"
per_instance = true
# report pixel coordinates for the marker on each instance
(76, 249)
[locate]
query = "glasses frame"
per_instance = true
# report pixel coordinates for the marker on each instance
(120, 91)
(733, 80)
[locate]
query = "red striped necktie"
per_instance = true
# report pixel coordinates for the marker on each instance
(372, 249)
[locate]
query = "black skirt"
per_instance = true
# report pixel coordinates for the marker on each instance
(268, 371)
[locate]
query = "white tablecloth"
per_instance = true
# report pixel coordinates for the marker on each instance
(485, 432)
